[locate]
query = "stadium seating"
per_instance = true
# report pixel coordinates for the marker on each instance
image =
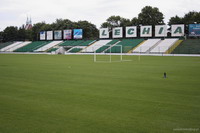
(95, 46)
(169, 51)
(76, 43)
(143, 48)
(109, 44)
(10, 46)
(153, 46)
(163, 46)
(127, 45)
(48, 46)
(70, 43)
(189, 46)
(32, 46)
(75, 50)
(52, 49)
(87, 43)
(18, 46)
(2, 45)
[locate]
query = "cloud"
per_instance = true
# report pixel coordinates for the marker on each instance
(14, 12)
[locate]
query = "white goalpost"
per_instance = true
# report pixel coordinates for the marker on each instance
(109, 54)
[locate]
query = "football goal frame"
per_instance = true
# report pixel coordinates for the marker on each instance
(109, 55)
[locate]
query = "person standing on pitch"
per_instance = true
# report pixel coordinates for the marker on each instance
(165, 75)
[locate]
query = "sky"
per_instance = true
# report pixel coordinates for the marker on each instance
(15, 12)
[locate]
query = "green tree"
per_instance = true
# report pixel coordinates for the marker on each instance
(21, 35)
(36, 30)
(29, 35)
(125, 22)
(191, 17)
(10, 34)
(106, 25)
(61, 24)
(175, 20)
(150, 16)
(89, 29)
(116, 21)
(47, 27)
(1, 36)
(135, 21)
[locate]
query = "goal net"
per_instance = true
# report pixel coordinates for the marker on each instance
(108, 53)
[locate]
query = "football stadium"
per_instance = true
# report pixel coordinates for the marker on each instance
(142, 78)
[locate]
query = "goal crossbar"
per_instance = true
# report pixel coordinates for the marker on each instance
(108, 52)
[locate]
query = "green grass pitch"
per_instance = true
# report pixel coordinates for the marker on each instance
(72, 94)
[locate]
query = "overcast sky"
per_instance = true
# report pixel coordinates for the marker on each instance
(15, 12)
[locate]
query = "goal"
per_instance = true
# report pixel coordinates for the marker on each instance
(108, 53)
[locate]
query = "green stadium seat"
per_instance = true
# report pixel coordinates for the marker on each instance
(52, 49)
(2, 45)
(77, 43)
(75, 50)
(32, 46)
(109, 44)
(127, 45)
(189, 46)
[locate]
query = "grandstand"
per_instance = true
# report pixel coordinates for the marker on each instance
(189, 46)
(18, 46)
(71, 43)
(87, 43)
(52, 49)
(149, 46)
(74, 46)
(163, 45)
(95, 46)
(127, 45)
(48, 46)
(75, 50)
(109, 44)
(32, 46)
(77, 43)
(169, 51)
(2, 45)
(10, 46)
(144, 47)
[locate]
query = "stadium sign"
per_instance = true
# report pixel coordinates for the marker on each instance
(57, 34)
(49, 35)
(194, 30)
(67, 34)
(117, 32)
(160, 30)
(42, 35)
(145, 31)
(104, 33)
(131, 31)
(177, 30)
(78, 33)
(61, 34)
